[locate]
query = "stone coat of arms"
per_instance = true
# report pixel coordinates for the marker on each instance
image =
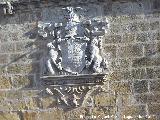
(74, 54)
(76, 45)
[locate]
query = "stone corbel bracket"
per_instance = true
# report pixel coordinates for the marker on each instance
(7, 8)
(71, 90)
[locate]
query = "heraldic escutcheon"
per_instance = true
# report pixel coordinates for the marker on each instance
(74, 61)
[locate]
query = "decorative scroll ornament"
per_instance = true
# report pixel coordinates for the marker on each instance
(74, 60)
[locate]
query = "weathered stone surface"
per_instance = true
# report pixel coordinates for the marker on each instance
(110, 50)
(25, 57)
(152, 117)
(2, 37)
(5, 106)
(156, 14)
(3, 58)
(143, 26)
(14, 95)
(114, 19)
(150, 50)
(105, 100)
(156, 4)
(147, 98)
(14, 68)
(103, 112)
(134, 111)
(146, 62)
(154, 108)
(154, 25)
(153, 72)
(156, 35)
(120, 64)
(130, 28)
(5, 82)
(19, 58)
(139, 73)
(126, 99)
(7, 47)
(155, 85)
(120, 75)
(23, 68)
(120, 87)
(30, 115)
(54, 114)
(158, 48)
(141, 86)
(130, 51)
(143, 37)
(8, 116)
(20, 81)
(113, 39)
(24, 46)
(48, 102)
(121, 9)
(30, 93)
(2, 95)
(128, 38)
(18, 105)
(33, 103)
(141, 98)
(115, 28)
(78, 113)
(2, 69)
(153, 98)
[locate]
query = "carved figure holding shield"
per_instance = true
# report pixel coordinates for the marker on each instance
(95, 56)
(54, 60)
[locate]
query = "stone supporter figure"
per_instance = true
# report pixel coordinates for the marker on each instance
(95, 56)
(54, 58)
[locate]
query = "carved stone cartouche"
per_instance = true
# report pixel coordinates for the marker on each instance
(75, 48)
(74, 61)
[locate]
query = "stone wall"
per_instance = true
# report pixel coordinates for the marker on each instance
(132, 87)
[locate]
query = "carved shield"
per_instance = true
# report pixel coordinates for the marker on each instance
(73, 55)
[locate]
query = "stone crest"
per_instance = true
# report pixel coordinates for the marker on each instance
(76, 46)
(74, 51)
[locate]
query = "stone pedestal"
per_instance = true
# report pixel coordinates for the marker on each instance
(71, 90)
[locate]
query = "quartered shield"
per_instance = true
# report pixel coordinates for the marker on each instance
(73, 55)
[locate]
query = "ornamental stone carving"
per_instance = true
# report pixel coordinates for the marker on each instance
(8, 9)
(74, 61)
